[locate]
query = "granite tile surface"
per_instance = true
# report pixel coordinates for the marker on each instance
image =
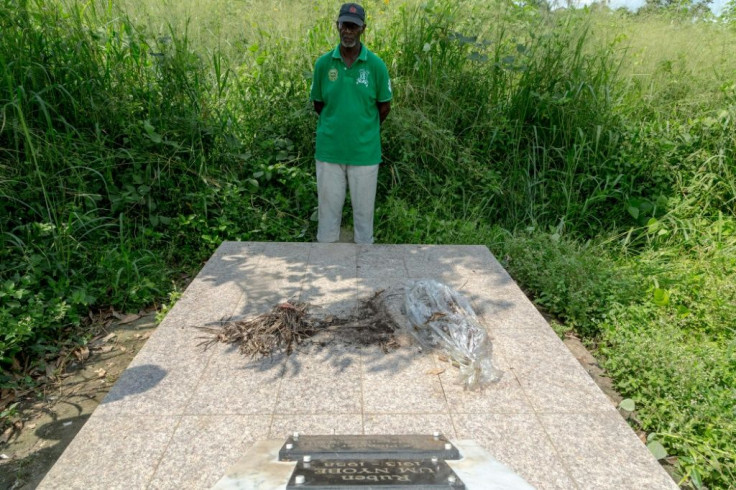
(520, 442)
(402, 382)
(180, 414)
(601, 451)
(425, 423)
(112, 452)
(581, 395)
(529, 350)
(504, 396)
(383, 261)
(148, 389)
(322, 386)
(174, 346)
(237, 385)
(316, 424)
(271, 285)
(204, 447)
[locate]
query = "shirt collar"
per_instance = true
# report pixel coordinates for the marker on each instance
(362, 56)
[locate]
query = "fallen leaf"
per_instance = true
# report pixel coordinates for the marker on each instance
(31, 426)
(3, 456)
(436, 371)
(123, 349)
(628, 404)
(5, 437)
(100, 373)
(130, 317)
(657, 449)
(82, 353)
(108, 337)
(104, 349)
(442, 358)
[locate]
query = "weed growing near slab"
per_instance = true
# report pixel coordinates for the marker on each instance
(663, 323)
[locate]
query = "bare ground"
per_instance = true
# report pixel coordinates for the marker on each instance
(47, 421)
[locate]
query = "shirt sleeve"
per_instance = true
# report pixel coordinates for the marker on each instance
(384, 84)
(315, 94)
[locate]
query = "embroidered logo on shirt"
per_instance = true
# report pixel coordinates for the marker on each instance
(362, 77)
(332, 74)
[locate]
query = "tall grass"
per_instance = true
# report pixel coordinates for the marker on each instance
(135, 137)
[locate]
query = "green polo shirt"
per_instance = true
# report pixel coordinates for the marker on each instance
(349, 129)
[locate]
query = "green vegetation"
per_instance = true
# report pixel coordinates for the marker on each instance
(594, 158)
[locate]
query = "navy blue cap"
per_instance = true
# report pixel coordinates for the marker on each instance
(352, 12)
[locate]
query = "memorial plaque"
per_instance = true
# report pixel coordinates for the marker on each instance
(414, 447)
(388, 474)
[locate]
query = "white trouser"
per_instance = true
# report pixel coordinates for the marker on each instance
(331, 180)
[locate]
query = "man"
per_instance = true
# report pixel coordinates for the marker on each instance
(351, 92)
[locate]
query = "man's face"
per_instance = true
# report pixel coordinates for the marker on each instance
(349, 33)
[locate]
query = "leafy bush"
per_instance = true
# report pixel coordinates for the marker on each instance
(22, 312)
(672, 352)
(577, 283)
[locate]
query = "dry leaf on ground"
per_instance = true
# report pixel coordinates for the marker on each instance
(81, 353)
(5, 437)
(436, 371)
(102, 340)
(125, 317)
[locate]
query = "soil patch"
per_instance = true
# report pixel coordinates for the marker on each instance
(46, 421)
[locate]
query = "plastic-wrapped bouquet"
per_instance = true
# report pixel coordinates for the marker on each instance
(442, 319)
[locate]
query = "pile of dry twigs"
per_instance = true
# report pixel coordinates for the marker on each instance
(284, 327)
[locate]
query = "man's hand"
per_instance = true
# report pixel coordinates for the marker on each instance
(318, 106)
(383, 109)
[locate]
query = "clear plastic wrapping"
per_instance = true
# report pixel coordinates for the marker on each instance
(442, 319)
